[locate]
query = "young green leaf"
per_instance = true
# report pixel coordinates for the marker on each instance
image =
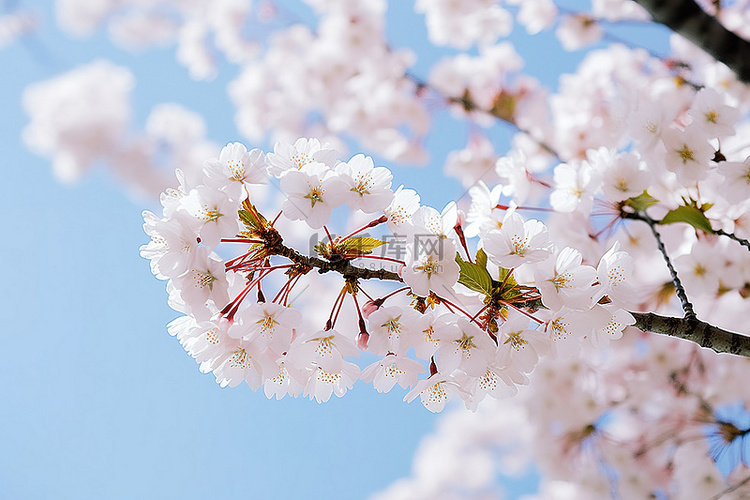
(474, 277)
(690, 214)
(641, 202)
(481, 259)
(359, 244)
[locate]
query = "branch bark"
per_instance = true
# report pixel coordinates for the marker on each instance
(700, 332)
(689, 20)
(695, 330)
(343, 267)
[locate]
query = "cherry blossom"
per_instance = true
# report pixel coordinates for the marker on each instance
(618, 199)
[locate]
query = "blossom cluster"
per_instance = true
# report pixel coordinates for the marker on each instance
(478, 322)
(641, 419)
(83, 117)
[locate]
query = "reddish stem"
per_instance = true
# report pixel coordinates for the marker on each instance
(537, 209)
(522, 311)
(373, 223)
(462, 239)
(380, 257)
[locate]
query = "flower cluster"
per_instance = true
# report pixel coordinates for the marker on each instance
(82, 117)
(475, 324)
(641, 419)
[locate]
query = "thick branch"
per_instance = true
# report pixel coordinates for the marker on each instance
(689, 20)
(703, 334)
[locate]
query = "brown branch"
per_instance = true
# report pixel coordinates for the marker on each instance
(697, 331)
(689, 20)
(343, 266)
(687, 306)
(700, 332)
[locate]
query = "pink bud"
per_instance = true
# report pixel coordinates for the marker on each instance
(370, 307)
(362, 339)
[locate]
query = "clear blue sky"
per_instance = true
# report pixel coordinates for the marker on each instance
(96, 400)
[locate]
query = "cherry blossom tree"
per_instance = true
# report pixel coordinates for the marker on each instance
(585, 301)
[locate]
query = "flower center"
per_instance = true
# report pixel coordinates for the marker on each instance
(430, 267)
(465, 343)
(210, 214)
(558, 329)
(240, 359)
(325, 346)
(267, 323)
(393, 325)
(328, 377)
(516, 341)
(363, 184)
(561, 280)
(238, 170)
(301, 159)
(686, 154)
(393, 371)
(315, 195)
(204, 279)
(520, 245)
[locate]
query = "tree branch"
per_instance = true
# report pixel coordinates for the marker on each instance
(343, 266)
(700, 332)
(687, 307)
(731, 236)
(695, 330)
(689, 20)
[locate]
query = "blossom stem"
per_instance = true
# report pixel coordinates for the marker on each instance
(343, 267)
(730, 489)
(282, 289)
(366, 294)
(380, 257)
(522, 311)
(239, 240)
(276, 218)
(328, 234)
(460, 232)
(480, 312)
(331, 319)
(373, 223)
(391, 294)
(536, 209)
(291, 287)
(451, 305)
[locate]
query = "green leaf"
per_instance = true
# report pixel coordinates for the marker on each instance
(359, 244)
(474, 277)
(253, 219)
(481, 259)
(510, 281)
(510, 290)
(690, 214)
(641, 202)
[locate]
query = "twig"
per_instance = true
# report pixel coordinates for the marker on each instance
(343, 267)
(687, 307)
(731, 236)
(733, 487)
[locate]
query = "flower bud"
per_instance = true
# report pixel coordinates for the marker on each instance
(371, 306)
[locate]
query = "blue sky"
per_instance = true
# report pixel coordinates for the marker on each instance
(96, 400)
